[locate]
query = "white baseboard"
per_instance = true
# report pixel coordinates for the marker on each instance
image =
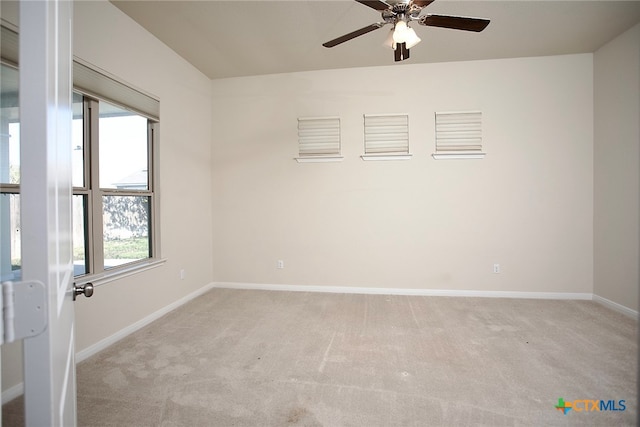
(11, 393)
(416, 292)
(615, 306)
(18, 389)
(101, 345)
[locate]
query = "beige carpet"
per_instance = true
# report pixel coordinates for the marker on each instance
(252, 358)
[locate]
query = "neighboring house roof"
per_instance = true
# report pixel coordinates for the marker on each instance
(137, 180)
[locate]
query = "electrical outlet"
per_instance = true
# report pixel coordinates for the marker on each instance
(280, 263)
(496, 268)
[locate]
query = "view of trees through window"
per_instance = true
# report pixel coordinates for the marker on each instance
(126, 228)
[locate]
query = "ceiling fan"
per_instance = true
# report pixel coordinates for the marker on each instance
(400, 13)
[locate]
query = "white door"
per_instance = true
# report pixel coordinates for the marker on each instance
(45, 116)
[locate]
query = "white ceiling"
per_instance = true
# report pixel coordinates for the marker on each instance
(243, 38)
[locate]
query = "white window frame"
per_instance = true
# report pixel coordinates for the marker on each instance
(94, 253)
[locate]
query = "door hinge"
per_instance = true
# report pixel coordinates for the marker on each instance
(24, 310)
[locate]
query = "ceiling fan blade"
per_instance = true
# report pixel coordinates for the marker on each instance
(375, 4)
(422, 3)
(353, 34)
(455, 22)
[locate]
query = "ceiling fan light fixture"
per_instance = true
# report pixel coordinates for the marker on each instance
(411, 38)
(400, 31)
(389, 42)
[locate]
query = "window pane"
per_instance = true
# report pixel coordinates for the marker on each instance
(10, 259)
(9, 126)
(79, 235)
(126, 229)
(77, 140)
(123, 149)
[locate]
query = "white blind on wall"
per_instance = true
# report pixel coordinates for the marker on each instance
(386, 134)
(319, 136)
(459, 131)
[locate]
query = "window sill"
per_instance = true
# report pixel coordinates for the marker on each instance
(380, 157)
(319, 159)
(455, 156)
(119, 272)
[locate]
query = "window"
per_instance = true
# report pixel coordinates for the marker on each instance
(318, 139)
(459, 135)
(10, 259)
(114, 135)
(386, 137)
(113, 191)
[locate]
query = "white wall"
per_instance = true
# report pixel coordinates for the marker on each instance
(139, 59)
(422, 223)
(617, 169)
